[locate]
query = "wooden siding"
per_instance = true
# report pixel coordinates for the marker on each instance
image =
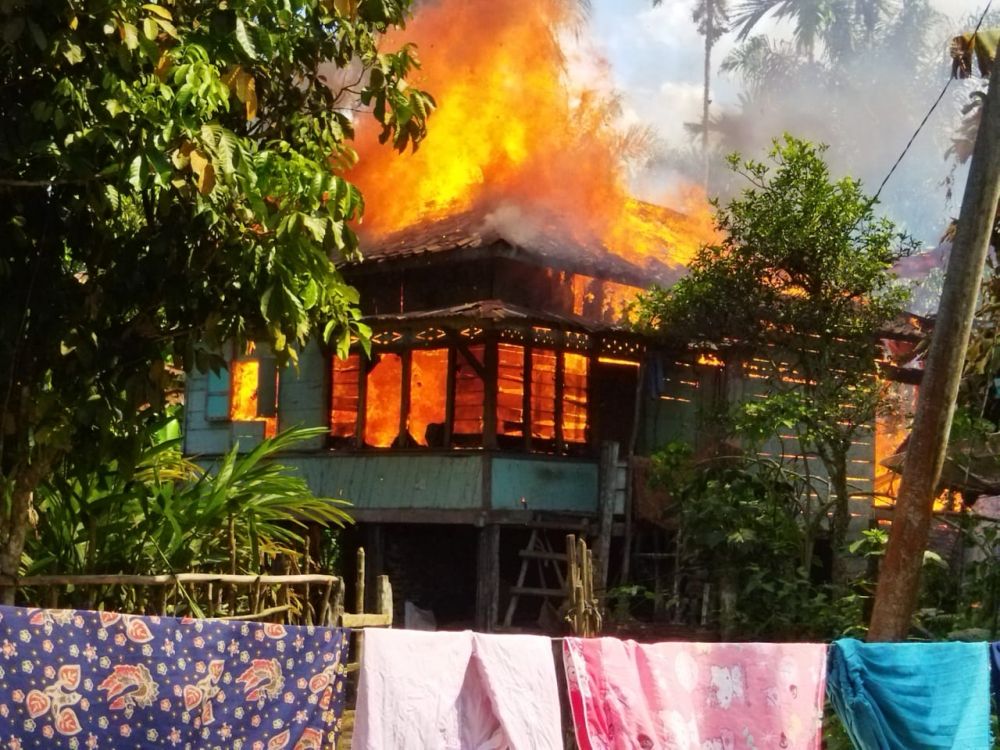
(394, 481)
(304, 395)
(203, 436)
(671, 412)
(545, 483)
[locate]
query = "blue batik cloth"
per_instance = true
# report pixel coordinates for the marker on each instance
(912, 696)
(995, 671)
(85, 680)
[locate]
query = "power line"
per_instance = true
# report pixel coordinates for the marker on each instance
(928, 115)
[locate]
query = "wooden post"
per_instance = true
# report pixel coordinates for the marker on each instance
(899, 583)
(608, 482)
(491, 385)
(404, 408)
(526, 403)
(488, 578)
(629, 485)
(359, 582)
(359, 603)
(383, 597)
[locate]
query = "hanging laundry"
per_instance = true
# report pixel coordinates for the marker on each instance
(912, 696)
(694, 696)
(456, 691)
(89, 680)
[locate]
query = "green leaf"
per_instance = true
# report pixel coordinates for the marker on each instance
(130, 35)
(72, 52)
(310, 294)
(136, 171)
(244, 39)
(159, 10)
(316, 226)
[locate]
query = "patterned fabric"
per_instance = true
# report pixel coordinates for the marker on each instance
(904, 696)
(87, 680)
(695, 696)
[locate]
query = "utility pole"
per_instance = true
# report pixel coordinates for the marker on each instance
(899, 581)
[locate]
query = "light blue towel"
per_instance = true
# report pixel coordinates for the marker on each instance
(912, 696)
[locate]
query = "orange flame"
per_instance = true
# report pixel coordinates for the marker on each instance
(428, 391)
(707, 358)
(513, 131)
(382, 401)
(245, 378)
(574, 413)
(345, 396)
(510, 390)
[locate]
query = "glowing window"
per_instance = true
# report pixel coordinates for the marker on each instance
(428, 396)
(543, 394)
(244, 404)
(510, 389)
(382, 400)
(574, 398)
(470, 394)
(344, 396)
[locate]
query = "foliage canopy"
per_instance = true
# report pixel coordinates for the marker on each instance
(796, 293)
(170, 179)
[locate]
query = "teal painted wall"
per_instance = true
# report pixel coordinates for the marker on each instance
(673, 414)
(302, 400)
(545, 484)
(203, 436)
(302, 395)
(437, 482)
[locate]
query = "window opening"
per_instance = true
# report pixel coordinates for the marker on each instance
(383, 400)
(345, 396)
(428, 396)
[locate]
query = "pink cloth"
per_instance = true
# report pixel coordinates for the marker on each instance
(456, 691)
(695, 696)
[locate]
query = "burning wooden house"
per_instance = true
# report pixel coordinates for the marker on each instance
(497, 369)
(470, 440)
(497, 260)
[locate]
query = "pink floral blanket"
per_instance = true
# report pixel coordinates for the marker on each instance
(695, 696)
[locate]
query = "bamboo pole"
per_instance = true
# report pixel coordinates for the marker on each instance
(166, 579)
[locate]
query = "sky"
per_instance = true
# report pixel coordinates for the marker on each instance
(656, 57)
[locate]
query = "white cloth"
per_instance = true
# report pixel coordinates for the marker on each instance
(456, 691)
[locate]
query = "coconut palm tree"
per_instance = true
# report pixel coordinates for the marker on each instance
(712, 17)
(833, 22)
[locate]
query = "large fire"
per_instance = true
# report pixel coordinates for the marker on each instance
(514, 129)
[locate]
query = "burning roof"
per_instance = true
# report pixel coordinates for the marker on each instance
(524, 152)
(508, 231)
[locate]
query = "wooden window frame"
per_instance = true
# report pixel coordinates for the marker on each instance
(487, 370)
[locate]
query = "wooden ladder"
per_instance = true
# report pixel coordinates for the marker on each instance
(540, 553)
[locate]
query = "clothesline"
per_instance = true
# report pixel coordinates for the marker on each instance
(79, 679)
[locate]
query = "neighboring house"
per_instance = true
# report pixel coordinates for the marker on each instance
(498, 370)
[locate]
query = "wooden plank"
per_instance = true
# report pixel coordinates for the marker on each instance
(491, 385)
(367, 620)
(535, 591)
(539, 555)
(608, 474)
(449, 409)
